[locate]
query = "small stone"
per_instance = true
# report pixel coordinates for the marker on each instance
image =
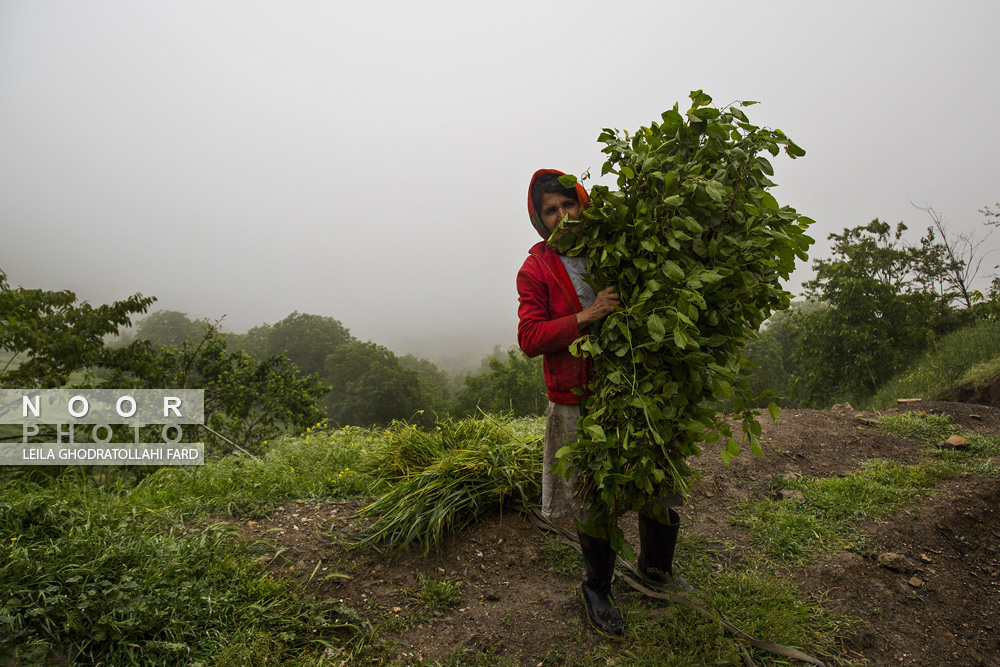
(926, 558)
(897, 563)
(915, 582)
(790, 476)
(794, 495)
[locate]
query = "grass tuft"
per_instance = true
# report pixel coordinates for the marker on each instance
(448, 479)
(436, 594)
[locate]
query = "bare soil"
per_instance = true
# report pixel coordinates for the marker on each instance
(942, 609)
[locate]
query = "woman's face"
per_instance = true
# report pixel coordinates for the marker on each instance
(555, 207)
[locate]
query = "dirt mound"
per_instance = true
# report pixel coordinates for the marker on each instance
(987, 393)
(940, 610)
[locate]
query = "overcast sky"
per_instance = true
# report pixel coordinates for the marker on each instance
(369, 161)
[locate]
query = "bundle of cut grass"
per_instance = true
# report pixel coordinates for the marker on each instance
(442, 481)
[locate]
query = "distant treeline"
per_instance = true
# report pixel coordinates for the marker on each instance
(875, 305)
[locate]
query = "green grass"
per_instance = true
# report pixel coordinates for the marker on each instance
(115, 574)
(919, 425)
(436, 594)
(87, 578)
(318, 464)
(969, 354)
(972, 459)
(440, 482)
(796, 532)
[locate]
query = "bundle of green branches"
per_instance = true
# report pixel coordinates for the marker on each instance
(698, 249)
(444, 480)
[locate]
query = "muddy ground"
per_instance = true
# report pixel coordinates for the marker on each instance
(943, 608)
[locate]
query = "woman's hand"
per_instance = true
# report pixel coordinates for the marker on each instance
(607, 300)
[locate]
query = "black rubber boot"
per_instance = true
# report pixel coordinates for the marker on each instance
(657, 542)
(599, 561)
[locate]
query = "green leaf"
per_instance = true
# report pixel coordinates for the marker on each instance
(716, 190)
(772, 410)
(567, 180)
(627, 171)
(679, 338)
(656, 328)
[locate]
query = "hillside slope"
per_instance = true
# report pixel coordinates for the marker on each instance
(518, 599)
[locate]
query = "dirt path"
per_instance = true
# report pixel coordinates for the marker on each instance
(943, 608)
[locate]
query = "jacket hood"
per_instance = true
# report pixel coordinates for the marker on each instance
(536, 222)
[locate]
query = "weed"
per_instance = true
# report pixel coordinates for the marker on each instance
(435, 594)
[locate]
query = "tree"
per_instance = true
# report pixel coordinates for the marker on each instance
(886, 303)
(248, 401)
(515, 385)
(962, 254)
(170, 327)
(50, 336)
(369, 386)
(254, 342)
(307, 340)
(774, 365)
(434, 391)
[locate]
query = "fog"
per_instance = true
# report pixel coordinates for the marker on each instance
(369, 162)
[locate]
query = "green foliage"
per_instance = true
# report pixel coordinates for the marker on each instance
(246, 400)
(978, 458)
(969, 355)
(305, 339)
(51, 336)
(434, 385)
(515, 386)
(793, 531)
(169, 327)
(88, 579)
(696, 246)
(442, 481)
(370, 386)
(771, 352)
(886, 304)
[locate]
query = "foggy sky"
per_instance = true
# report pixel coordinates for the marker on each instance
(370, 161)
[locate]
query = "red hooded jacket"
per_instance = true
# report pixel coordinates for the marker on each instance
(547, 312)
